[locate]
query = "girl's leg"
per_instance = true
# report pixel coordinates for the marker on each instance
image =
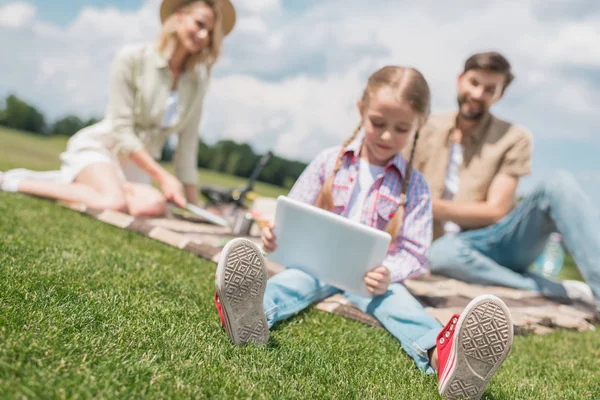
(247, 304)
(405, 318)
(469, 349)
(290, 292)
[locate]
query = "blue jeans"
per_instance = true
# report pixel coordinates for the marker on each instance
(292, 290)
(502, 253)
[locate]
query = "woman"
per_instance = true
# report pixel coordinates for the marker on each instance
(156, 90)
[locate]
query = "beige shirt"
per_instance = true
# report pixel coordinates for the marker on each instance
(140, 85)
(494, 147)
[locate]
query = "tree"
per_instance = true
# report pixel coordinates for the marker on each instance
(246, 160)
(67, 126)
(293, 172)
(232, 162)
(70, 125)
(223, 149)
(205, 155)
(91, 121)
(18, 114)
(274, 171)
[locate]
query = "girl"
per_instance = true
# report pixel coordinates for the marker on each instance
(367, 180)
(156, 90)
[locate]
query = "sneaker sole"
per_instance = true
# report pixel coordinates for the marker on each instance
(241, 281)
(482, 340)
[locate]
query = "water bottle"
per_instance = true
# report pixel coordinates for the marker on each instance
(550, 262)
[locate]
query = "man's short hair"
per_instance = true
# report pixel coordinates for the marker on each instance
(491, 61)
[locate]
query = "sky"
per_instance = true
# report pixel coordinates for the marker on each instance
(292, 70)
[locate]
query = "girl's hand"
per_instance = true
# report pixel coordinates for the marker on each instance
(173, 190)
(269, 240)
(378, 280)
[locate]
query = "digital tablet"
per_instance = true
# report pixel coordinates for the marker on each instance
(332, 248)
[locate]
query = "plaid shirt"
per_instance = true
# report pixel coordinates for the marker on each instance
(406, 257)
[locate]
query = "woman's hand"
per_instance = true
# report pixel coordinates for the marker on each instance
(170, 186)
(172, 189)
(378, 280)
(269, 240)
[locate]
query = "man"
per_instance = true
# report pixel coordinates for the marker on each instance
(472, 162)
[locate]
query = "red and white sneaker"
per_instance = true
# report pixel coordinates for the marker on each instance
(472, 346)
(240, 281)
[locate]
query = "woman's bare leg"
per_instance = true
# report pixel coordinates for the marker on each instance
(97, 186)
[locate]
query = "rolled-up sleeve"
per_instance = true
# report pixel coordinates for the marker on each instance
(122, 103)
(517, 160)
(407, 257)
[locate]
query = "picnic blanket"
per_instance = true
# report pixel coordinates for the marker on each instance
(441, 297)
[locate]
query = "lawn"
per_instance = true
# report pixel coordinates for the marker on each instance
(91, 311)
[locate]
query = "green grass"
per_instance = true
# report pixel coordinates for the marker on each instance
(19, 149)
(88, 310)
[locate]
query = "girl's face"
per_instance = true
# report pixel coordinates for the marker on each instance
(388, 123)
(195, 26)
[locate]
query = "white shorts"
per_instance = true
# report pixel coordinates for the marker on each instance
(84, 149)
(75, 162)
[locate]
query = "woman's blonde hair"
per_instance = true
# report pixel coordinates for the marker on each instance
(409, 85)
(167, 39)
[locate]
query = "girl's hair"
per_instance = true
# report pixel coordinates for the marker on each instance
(167, 39)
(408, 85)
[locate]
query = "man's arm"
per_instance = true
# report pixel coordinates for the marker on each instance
(475, 215)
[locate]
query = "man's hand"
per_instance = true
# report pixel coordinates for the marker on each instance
(378, 280)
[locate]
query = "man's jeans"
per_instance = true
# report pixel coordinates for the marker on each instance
(501, 254)
(292, 290)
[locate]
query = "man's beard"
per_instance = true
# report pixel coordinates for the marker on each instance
(470, 116)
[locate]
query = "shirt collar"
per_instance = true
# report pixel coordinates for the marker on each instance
(161, 62)
(353, 150)
(478, 133)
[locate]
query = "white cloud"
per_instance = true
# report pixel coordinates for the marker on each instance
(571, 43)
(16, 15)
(589, 176)
(411, 35)
(252, 26)
(257, 6)
(289, 81)
(72, 62)
(578, 99)
(295, 117)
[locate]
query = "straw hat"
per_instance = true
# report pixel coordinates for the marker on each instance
(168, 7)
